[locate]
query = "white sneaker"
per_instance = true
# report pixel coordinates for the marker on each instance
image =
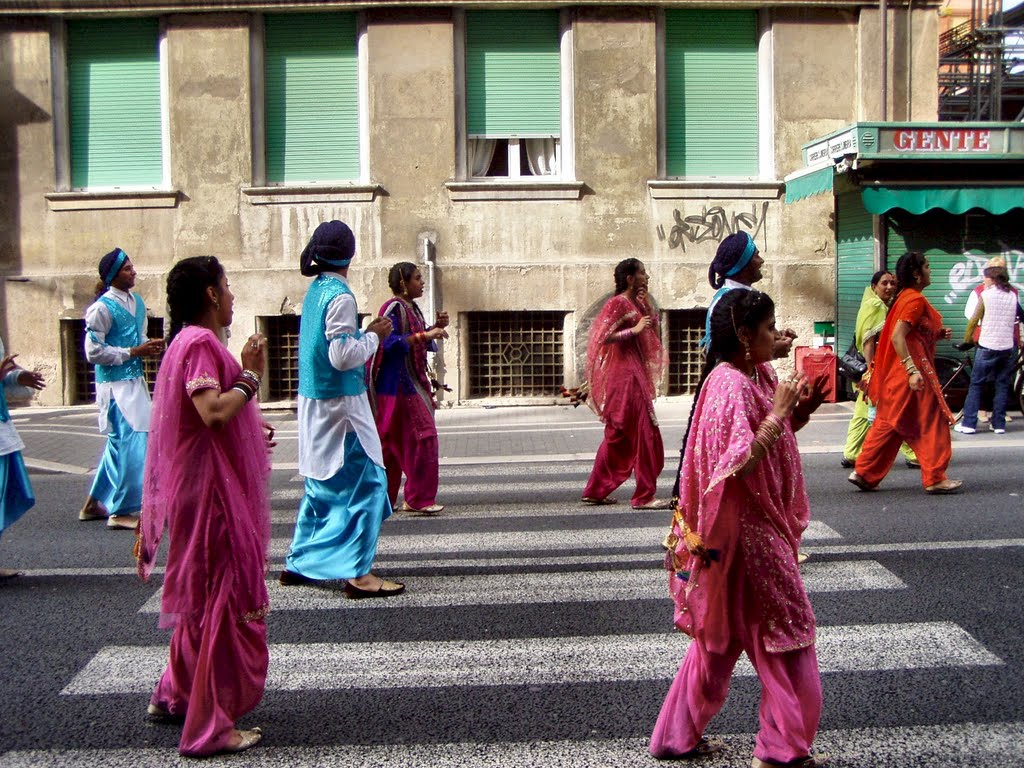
(964, 430)
(998, 431)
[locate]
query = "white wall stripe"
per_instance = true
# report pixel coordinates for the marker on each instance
(935, 746)
(536, 661)
(532, 588)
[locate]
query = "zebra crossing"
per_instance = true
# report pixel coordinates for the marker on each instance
(538, 633)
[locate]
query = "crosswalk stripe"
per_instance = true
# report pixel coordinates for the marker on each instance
(433, 543)
(536, 661)
(546, 559)
(582, 586)
(935, 746)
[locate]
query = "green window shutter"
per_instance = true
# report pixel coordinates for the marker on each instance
(114, 103)
(711, 93)
(312, 97)
(513, 74)
(855, 253)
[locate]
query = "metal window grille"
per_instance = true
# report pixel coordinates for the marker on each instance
(82, 387)
(516, 354)
(685, 329)
(282, 332)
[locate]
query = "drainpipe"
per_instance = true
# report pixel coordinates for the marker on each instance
(428, 254)
(883, 21)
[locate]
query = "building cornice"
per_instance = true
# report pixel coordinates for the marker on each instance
(104, 7)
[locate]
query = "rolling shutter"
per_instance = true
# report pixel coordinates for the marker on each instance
(513, 74)
(114, 111)
(855, 251)
(312, 97)
(711, 93)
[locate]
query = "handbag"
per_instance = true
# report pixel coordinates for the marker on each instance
(852, 364)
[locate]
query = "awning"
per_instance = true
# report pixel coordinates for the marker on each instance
(808, 182)
(917, 200)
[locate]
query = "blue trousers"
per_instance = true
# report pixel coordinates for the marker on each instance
(995, 366)
(118, 482)
(339, 519)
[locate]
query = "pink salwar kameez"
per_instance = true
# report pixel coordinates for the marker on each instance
(404, 407)
(622, 373)
(210, 488)
(747, 595)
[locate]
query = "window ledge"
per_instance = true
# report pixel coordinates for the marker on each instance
(312, 193)
(682, 189)
(514, 190)
(93, 201)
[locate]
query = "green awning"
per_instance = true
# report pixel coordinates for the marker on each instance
(807, 183)
(917, 200)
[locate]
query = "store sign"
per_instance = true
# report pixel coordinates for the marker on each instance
(938, 140)
(844, 143)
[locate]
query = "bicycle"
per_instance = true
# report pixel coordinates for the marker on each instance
(956, 378)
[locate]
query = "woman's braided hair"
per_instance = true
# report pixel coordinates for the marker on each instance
(736, 309)
(186, 289)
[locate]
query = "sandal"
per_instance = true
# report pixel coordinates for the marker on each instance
(157, 714)
(945, 487)
(816, 760)
(249, 739)
(386, 589)
(704, 748)
(433, 509)
(598, 502)
(860, 482)
(654, 504)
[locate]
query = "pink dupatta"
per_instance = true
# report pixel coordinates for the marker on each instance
(618, 371)
(752, 523)
(209, 487)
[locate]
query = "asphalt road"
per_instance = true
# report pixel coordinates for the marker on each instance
(535, 632)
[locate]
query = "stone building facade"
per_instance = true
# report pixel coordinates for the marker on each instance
(650, 147)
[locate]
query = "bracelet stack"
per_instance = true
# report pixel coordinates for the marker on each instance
(418, 338)
(768, 432)
(908, 364)
(248, 383)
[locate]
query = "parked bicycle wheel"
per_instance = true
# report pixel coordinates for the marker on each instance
(955, 377)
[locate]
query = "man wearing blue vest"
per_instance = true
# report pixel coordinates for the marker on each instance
(346, 490)
(115, 342)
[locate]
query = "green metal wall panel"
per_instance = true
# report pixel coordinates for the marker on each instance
(312, 97)
(855, 251)
(957, 247)
(116, 133)
(711, 93)
(513, 74)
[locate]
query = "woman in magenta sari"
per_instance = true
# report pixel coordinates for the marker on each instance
(625, 361)
(404, 394)
(733, 546)
(207, 469)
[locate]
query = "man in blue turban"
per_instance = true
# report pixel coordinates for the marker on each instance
(115, 342)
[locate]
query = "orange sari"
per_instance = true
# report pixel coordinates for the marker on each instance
(920, 418)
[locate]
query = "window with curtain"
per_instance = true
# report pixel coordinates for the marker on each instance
(711, 99)
(311, 92)
(513, 93)
(114, 103)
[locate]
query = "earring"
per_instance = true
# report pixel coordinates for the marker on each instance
(216, 305)
(746, 351)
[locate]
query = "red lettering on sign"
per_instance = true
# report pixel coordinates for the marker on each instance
(945, 140)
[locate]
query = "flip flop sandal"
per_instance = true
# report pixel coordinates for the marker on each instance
(946, 487)
(598, 502)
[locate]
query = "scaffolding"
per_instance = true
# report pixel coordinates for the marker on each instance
(981, 65)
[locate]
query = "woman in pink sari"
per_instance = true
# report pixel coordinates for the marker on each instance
(733, 546)
(403, 393)
(625, 361)
(207, 470)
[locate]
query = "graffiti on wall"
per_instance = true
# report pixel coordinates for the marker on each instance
(713, 225)
(966, 274)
